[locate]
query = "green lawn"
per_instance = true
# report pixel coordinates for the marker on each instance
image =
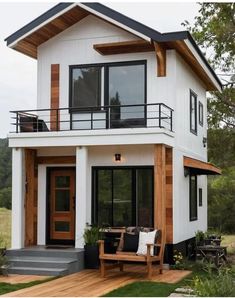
(7, 288)
(229, 240)
(5, 226)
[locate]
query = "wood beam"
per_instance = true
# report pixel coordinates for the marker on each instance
(30, 198)
(160, 189)
(201, 165)
(56, 159)
(55, 89)
(161, 59)
(169, 195)
(123, 47)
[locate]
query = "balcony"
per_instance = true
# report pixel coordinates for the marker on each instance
(154, 115)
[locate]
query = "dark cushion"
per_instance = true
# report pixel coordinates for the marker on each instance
(130, 242)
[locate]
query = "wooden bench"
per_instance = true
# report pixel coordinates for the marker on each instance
(122, 256)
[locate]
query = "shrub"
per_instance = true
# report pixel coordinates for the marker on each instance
(215, 285)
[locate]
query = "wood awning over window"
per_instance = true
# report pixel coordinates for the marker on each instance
(199, 167)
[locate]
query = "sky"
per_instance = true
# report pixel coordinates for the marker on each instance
(18, 73)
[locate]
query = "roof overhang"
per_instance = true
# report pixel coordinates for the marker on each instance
(60, 17)
(198, 167)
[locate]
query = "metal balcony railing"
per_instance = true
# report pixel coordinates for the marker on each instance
(93, 118)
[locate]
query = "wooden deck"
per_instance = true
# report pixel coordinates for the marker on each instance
(18, 279)
(88, 283)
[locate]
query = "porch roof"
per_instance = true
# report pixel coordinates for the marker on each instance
(199, 167)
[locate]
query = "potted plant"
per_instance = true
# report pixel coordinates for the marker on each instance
(4, 265)
(91, 236)
(200, 238)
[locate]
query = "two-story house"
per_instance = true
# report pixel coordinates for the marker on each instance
(119, 135)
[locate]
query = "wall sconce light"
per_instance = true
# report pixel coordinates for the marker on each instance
(204, 141)
(117, 157)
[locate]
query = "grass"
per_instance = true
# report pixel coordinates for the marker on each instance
(229, 240)
(7, 288)
(5, 226)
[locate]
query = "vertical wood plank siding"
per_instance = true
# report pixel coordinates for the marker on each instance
(160, 189)
(55, 95)
(30, 198)
(169, 196)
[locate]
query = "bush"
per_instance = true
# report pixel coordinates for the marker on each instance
(215, 285)
(5, 198)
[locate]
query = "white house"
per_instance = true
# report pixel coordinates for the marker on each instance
(119, 135)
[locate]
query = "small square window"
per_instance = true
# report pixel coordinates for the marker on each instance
(200, 197)
(200, 113)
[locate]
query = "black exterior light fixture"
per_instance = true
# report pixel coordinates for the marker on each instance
(117, 157)
(204, 141)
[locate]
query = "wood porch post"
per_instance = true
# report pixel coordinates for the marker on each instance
(30, 198)
(160, 189)
(55, 95)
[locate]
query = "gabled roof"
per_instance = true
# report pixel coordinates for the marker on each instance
(64, 15)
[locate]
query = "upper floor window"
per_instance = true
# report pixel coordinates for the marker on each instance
(86, 88)
(193, 112)
(200, 112)
(192, 197)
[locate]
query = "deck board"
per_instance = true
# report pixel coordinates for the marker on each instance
(90, 283)
(17, 279)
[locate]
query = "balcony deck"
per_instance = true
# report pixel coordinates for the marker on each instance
(154, 115)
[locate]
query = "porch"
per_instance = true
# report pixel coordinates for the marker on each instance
(89, 283)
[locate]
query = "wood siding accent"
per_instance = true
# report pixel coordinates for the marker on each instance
(30, 197)
(56, 159)
(169, 196)
(124, 47)
(55, 90)
(160, 189)
(161, 59)
(201, 165)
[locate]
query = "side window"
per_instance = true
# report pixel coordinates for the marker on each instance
(193, 112)
(200, 112)
(200, 197)
(192, 197)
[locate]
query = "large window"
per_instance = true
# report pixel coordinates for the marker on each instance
(193, 197)
(123, 196)
(126, 87)
(111, 84)
(193, 112)
(85, 87)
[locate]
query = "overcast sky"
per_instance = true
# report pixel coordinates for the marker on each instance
(18, 73)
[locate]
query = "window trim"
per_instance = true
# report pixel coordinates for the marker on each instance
(193, 94)
(94, 205)
(190, 198)
(106, 78)
(200, 113)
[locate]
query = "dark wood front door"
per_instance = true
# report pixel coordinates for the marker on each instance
(62, 206)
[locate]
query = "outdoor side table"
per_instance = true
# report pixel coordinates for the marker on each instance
(217, 253)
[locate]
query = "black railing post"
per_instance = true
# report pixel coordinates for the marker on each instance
(171, 121)
(57, 119)
(160, 115)
(17, 122)
(91, 120)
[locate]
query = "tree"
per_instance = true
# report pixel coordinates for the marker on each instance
(214, 31)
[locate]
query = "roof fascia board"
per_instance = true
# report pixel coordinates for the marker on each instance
(11, 45)
(204, 65)
(112, 21)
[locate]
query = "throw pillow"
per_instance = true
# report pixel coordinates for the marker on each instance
(146, 238)
(130, 242)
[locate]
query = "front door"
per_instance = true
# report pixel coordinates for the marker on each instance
(62, 206)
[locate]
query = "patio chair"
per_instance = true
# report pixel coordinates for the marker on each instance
(123, 256)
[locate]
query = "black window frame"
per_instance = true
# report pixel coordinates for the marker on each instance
(200, 113)
(191, 217)
(193, 95)
(200, 195)
(106, 78)
(94, 205)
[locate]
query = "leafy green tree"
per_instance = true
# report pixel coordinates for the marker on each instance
(5, 198)
(214, 31)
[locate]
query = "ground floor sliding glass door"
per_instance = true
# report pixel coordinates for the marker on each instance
(122, 196)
